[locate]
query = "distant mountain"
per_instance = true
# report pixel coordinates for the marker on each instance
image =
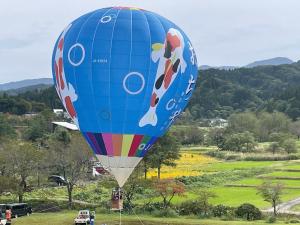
(267, 62)
(206, 67)
(270, 62)
(37, 87)
(26, 83)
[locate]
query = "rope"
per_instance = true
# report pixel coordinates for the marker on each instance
(120, 207)
(120, 217)
(135, 213)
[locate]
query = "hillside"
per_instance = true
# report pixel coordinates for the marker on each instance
(25, 83)
(220, 93)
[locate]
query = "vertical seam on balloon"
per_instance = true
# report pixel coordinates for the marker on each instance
(130, 55)
(106, 148)
(91, 83)
(149, 68)
(109, 85)
(111, 42)
(74, 54)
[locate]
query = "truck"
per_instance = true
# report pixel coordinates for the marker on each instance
(84, 217)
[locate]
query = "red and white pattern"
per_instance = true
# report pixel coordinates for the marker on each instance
(169, 56)
(64, 89)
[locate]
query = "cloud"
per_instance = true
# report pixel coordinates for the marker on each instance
(231, 32)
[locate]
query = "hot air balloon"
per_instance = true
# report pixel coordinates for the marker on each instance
(124, 75)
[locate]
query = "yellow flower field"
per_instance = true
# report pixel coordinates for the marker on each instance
(189, 164)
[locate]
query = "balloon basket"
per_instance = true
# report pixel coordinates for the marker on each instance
(117, 199)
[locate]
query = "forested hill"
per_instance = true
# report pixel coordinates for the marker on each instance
(218, 93)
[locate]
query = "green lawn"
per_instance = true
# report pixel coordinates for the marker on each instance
(284, 174)
(296, 208)
(259, 181)
(66, 218)
(233, 196)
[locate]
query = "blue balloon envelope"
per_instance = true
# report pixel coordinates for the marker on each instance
(124, 75)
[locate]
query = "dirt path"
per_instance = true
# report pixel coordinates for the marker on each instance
(286, 207)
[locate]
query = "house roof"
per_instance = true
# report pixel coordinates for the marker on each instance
(67, 125)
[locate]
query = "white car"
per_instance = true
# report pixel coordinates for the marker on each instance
(3, 221)
(84, 217)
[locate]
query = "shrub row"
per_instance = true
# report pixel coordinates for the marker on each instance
(258, 157)
(207, 180)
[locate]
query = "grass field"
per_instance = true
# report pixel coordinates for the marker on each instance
(193, 163)
(296, 208)
(66, 218)
(259, 181)
(189, 164)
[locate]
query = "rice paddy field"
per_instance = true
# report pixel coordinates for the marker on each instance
(234, 193)
(194, 163)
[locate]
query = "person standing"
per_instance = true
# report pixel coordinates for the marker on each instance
(8, 216)
(2, 217)
(92, 218)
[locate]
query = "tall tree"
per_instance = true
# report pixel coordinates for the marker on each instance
(164, 152)
(295, 128)
(69, 156)
(23, 158)
(271, 192)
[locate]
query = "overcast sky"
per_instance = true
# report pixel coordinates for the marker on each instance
(223, 32)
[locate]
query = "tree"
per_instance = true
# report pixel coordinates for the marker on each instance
(7, 184)
(204, 196)
(134, 186)
(274, 147)
(272, 123)
(192, 135)
(216, 136)
(167, 189)
(39, 126)
(248, 212)
(6, 130)
(240, 142)
(242, 122)
(295, 128)
(164, 152)
(271, 192)
(23, 158)
(69, 156)
(289, 145)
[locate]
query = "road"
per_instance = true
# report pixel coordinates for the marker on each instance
(286, 207)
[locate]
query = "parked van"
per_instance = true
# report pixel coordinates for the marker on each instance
(19, 209)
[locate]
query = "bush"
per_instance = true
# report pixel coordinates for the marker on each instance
(207, 180)
(165, 213)
(294, 221)
(248, 212)
(195, 208)
(271, 158)
(151, 207)
(271, 219)
(222, 211)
